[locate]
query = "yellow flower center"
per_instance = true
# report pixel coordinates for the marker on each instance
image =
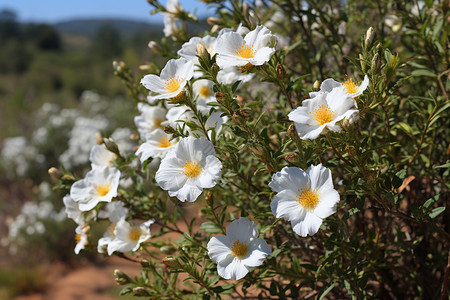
(157, 122)
(204, 91)
(173, 84)
(308, 199)
(323, 114)
(191, 169)
(350, 86)
(135, 234)
(178, 98)
(111, 229)
(102, 190)
(78, 238)
(239, 249)
(245, 51)
(164, 142)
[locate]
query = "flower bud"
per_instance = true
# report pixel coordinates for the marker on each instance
(280, 71)
(168, 249)
(370, 34)
(98, 138)
(54, 173)
(171, 262)
(220, 97)
(215, 28)
(202, 52)
(134, 137)
(121, 278)
(292, 132)
(213, 20)
(140, 291)
(111, 145)
(316, 85)
(154, 46)
(292, 158)
(169, 130)
(376, 63)
(116, 66)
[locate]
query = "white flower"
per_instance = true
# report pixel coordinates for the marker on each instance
(322, 112)
(189, 49)
(81, 237)
(114, 211)
(304, 198)
(183, 113)
(230, 75)
(189, 168)
(239, 250)
(99, 185)
(157, 145)
(149, 120)
(350, 88)
(172, 80)
(203, 91)
(128, 237)
(73, 211)
(101, 157)
(234, 50)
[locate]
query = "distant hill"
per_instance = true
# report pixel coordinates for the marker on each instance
(89, 27)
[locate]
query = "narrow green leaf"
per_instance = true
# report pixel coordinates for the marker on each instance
(436, 212)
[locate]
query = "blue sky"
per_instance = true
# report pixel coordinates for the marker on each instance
(51, 11)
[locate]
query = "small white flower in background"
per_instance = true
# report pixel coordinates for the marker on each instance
(189, 49)
(129, 237)
(189, 168)
(183, 113)
(252, 50)
(157, 145)
(350, 88)
(230, 75)
(173, 8)
(101, 157)
(304, 197)
(239, 250)
(122, 138)
(81, 237)
(322, 112)
(172, 80)
(114, 211)
(99, 185)
(73, 211)
(203, 91)
(149, 120)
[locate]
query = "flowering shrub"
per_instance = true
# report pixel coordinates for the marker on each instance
(315, 152)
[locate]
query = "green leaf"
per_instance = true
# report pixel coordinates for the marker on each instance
(326, 291)
(436, 212)
(423, 72)
(210, 227)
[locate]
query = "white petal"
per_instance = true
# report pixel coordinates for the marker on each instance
(320, 177)
(327, 203)
(262, 55)
(309, 225)
(154, 84)
(187, 192)
(308, 132)
(219, 248)
(291, 178)
(286, 207)
(329, 84)
(233, 270)
(258, 251)
(229, 43)
(242, 230)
